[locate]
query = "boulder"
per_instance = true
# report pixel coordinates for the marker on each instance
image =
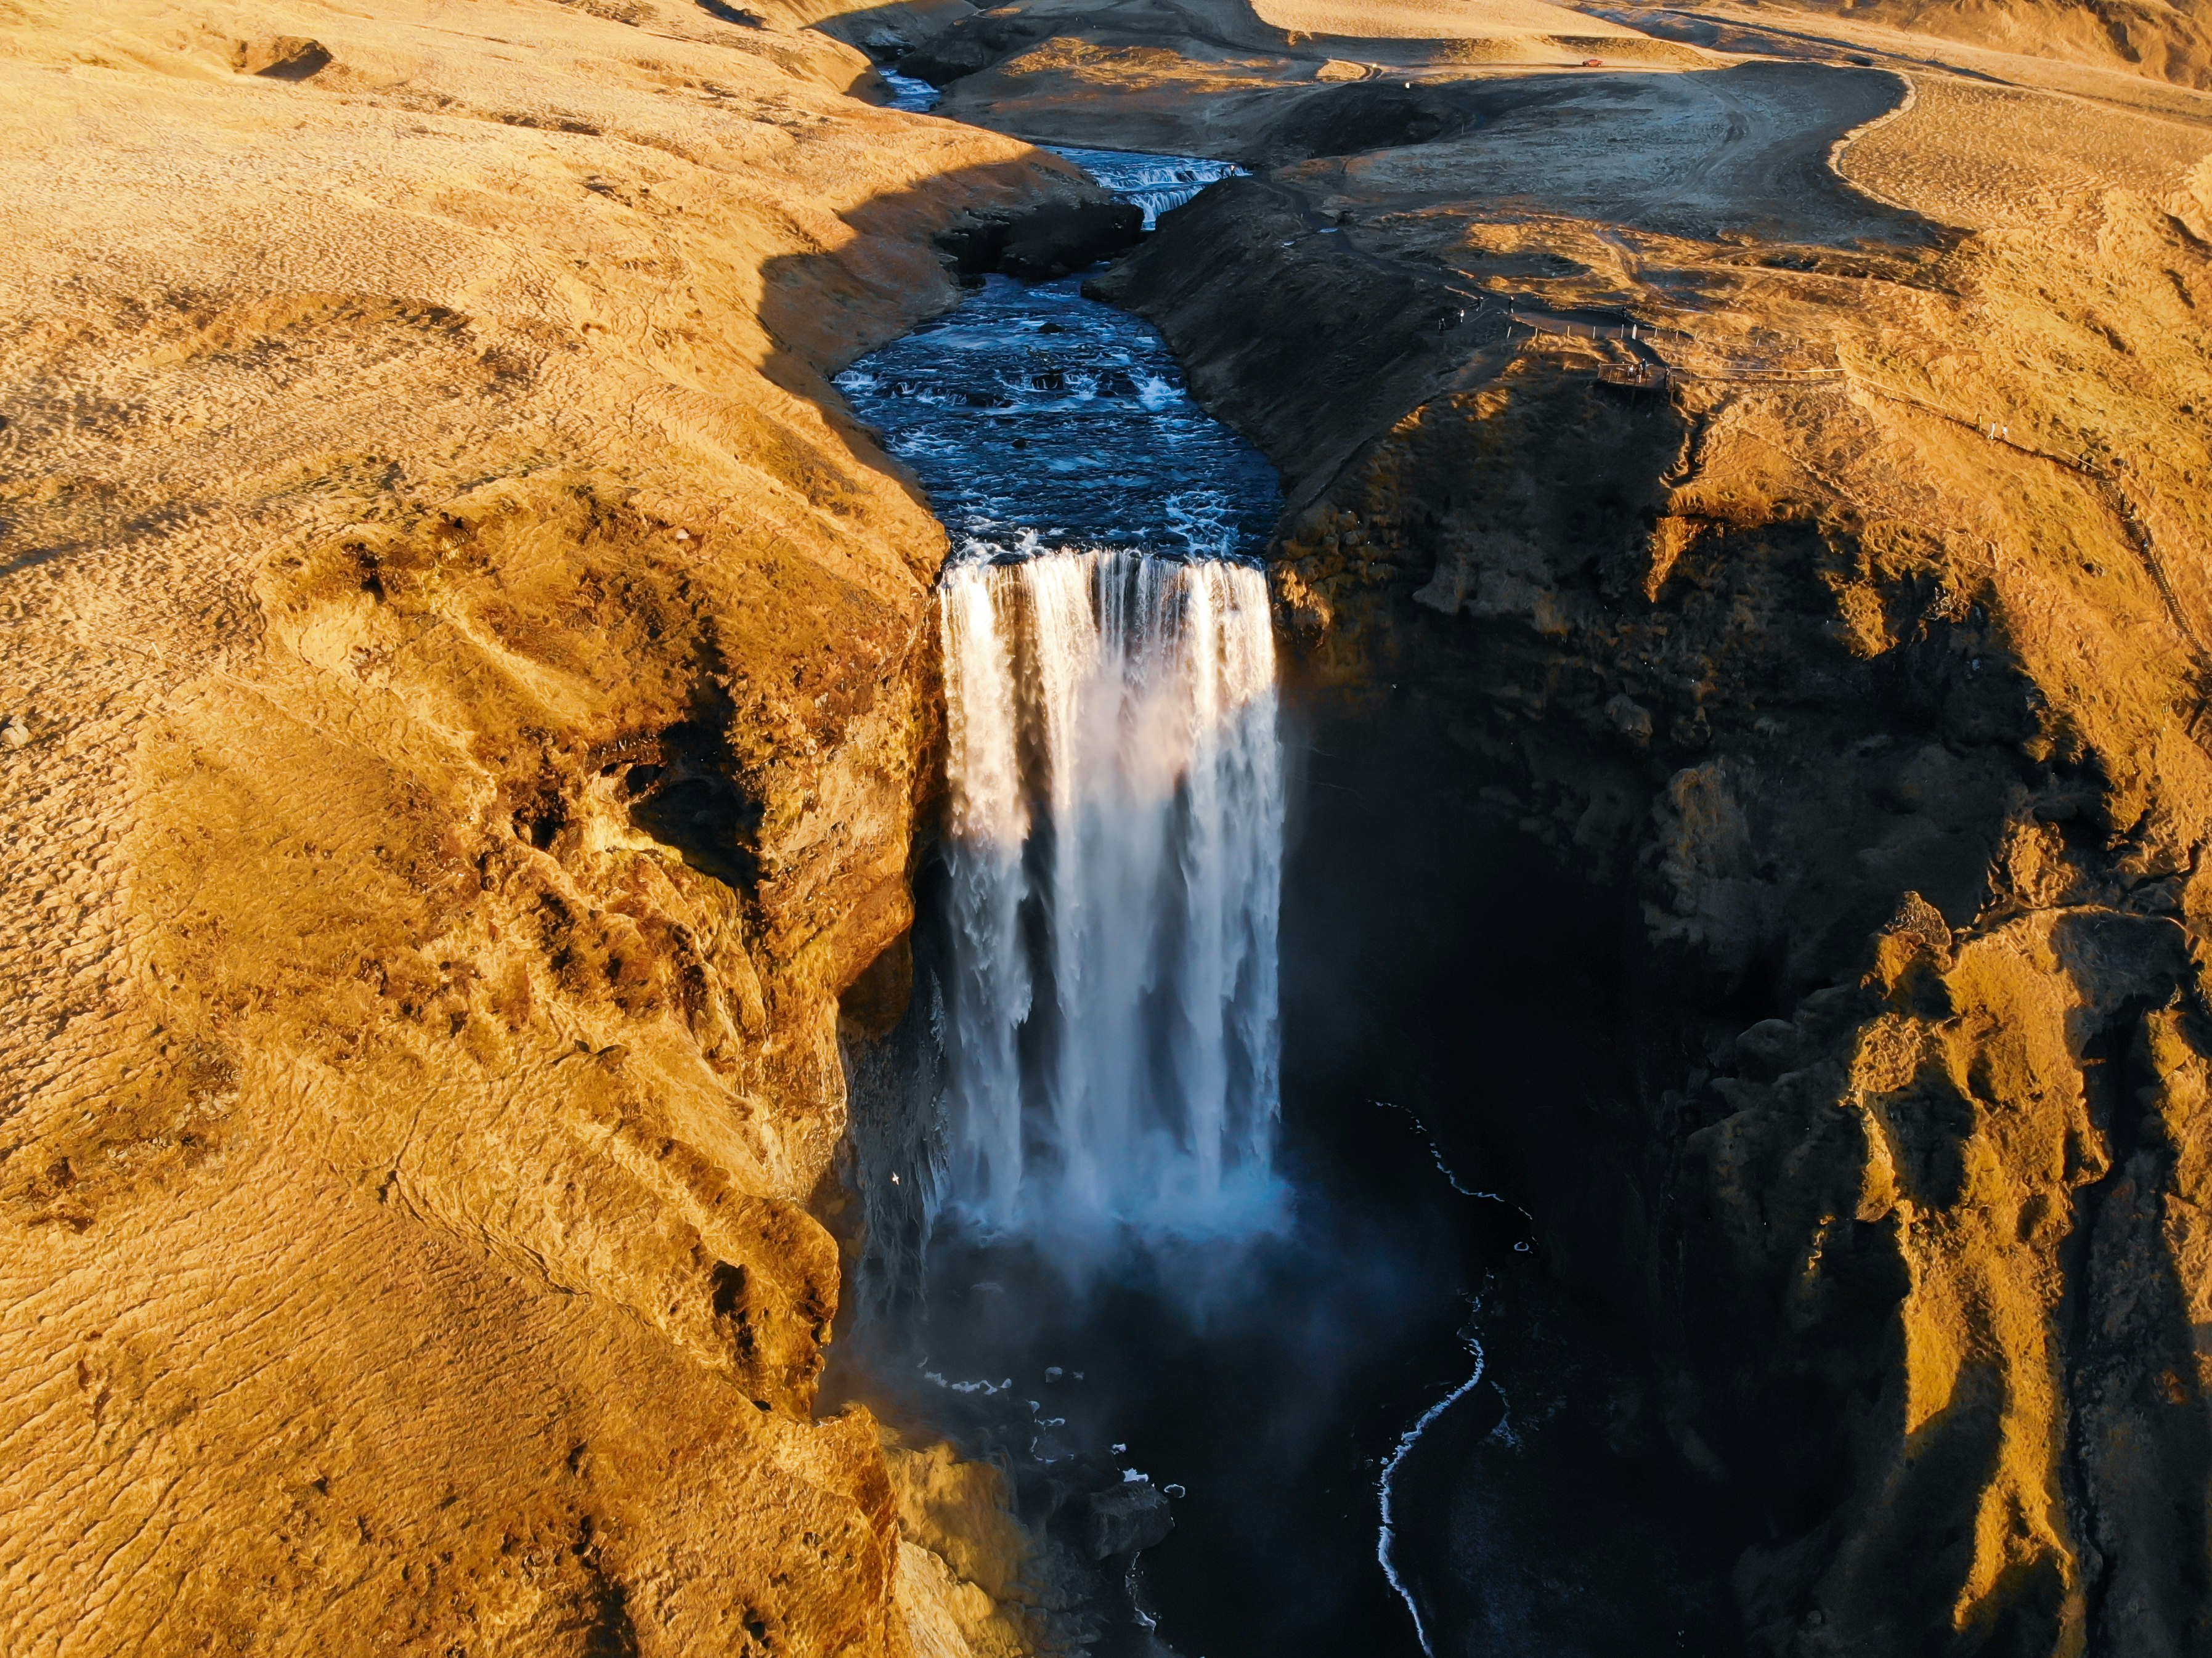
(1127, 1518)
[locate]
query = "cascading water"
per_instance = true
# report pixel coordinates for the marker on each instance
(1115, 859)
(1115, 763)
(910, 93)
(1157, 183)
(1078, 1190)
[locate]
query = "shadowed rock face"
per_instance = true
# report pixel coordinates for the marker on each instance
(1389, 115)
(969, 44)
(1045, 243)
(1863, 697)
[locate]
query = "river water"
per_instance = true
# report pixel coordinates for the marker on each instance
(1111, 1245)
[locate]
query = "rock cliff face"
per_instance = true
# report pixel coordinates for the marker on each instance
(465, 703)
(1812, 564)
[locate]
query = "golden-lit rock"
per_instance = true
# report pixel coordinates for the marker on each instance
(471, 694)
(1779, 488)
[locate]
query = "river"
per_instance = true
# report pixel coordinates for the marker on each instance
(1112, 1244)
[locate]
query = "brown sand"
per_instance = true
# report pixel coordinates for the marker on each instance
(1430, 20)
(408, 1139)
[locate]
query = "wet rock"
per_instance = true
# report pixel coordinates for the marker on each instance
(1046, 243)
(1126, 1519)
(1055, 240)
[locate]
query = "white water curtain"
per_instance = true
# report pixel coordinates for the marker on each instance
(1115, 873)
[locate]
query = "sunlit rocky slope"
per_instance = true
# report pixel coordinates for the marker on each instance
(466, 696)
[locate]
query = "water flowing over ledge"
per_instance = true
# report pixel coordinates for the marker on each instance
(1115, 869)
(1040, 420)
(1157, 183)
(1114, 861)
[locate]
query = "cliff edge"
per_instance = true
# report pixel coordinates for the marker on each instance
(465, 698)
(1779, 491)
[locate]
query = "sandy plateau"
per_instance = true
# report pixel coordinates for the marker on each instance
(467, 692)
(468, 701)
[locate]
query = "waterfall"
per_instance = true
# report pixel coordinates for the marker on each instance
(1157, 183)
(1114, 868)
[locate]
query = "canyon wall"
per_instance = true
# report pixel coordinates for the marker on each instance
(468, 697)
(466, 700)
(1797, 532)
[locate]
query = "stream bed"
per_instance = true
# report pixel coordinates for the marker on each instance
(1116, 1243)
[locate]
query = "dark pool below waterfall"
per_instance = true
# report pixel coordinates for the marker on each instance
(1261, 1368)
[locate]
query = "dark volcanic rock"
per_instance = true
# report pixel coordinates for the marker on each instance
(1387, 114)
(1126, 1518)
(1046, 243)
(1285, 330)
(1874, 1155)
(1052, 241)
(971, 45)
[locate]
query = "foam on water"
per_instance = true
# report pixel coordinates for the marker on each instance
(909, 93)
(1157, 183)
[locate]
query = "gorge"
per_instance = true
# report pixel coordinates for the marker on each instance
(1190, 826)
(1070, 1171)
